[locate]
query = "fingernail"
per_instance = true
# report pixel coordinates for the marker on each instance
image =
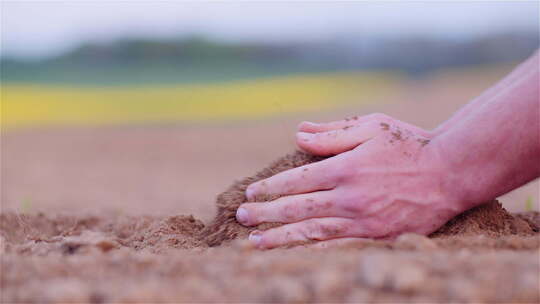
(303, 136)
(250, 191)
(255, 237)
(308, 123)
(242, 215)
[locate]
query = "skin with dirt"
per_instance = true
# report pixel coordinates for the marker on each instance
(225, 227)
(483, 255)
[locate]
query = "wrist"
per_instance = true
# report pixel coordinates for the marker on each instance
(441, 128)
(448, 199)
(463, 176)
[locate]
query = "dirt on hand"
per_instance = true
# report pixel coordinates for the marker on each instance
(489, 219)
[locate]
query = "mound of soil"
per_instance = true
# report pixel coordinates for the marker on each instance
(181, 232)
(224, 227)
(489, 219)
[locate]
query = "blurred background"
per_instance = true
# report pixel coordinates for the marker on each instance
(156, 107)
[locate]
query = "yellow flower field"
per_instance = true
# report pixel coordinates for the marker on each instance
(26, 104)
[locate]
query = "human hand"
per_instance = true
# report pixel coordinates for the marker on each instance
(387, 179)
(335, 137)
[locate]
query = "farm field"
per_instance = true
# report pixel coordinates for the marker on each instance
(27, 104)
(97, 197)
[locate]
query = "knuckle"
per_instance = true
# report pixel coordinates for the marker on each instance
(320, 146)
(253, 212)
(312, 231)
(251, 191)
(326, 231)
(326, 174)
(375, 228)
(272, 238)
(288, 236)
(289, 212)
(382, 121)
(288, 185)
(312, 141)
(318, 208)
(257, 187)
(267, 241)
(322, 138)
(334, 133)
(375, 125)
(334, 230)
(338, 173)
(381, 117)
(352, 206)
(315, 140)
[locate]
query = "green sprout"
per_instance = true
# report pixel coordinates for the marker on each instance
(529, 203)
(26, 205)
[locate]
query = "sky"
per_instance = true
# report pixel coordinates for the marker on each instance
(40, 29)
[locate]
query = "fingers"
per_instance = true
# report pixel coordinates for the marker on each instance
(312, 229)
(311, 127)
(312, 177)
(290, 209)
(338, 141)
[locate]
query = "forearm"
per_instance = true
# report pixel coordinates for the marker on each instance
(496, 147)
(521, 70)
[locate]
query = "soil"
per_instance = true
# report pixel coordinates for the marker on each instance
(484, 254)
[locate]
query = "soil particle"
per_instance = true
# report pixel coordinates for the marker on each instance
(397, 135)
(423, 142)
(385, 126)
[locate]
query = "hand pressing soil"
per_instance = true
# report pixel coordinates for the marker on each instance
(225, 227)
(489, 219)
